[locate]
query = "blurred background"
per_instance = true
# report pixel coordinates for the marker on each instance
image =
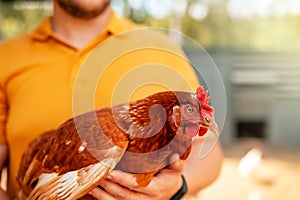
(255, 44)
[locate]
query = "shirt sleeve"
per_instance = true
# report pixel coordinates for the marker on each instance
(3, 115)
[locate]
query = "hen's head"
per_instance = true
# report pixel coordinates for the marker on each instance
(193, 114)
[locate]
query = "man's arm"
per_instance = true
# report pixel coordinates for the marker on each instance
(121, 185)
(3, 158)
(199, 173)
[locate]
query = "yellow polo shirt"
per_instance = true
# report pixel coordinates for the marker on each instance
(44, 81)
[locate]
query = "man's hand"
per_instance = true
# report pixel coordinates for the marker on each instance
(120, 185)
(3, 195)
(3, 158)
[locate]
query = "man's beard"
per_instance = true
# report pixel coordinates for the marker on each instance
(77, 10)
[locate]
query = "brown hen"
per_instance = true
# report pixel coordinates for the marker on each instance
(138, 138)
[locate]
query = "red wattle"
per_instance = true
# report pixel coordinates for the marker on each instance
(202, 131)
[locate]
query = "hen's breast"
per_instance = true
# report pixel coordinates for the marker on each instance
(153, 135)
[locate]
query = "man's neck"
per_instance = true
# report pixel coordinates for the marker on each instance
(75, 31)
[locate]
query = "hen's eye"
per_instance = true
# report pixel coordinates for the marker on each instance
(189, 109)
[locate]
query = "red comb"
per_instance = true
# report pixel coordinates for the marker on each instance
(204, 100)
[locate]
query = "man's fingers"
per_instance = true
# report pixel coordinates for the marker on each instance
(100, 194)
(121, 192)
(176, 163)
(125, 179)
(124, 186)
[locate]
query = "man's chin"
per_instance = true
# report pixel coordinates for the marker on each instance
(84, 9)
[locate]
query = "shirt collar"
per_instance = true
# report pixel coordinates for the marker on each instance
(44, 31)
(115, 26)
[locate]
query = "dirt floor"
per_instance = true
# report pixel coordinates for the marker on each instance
(275, 177)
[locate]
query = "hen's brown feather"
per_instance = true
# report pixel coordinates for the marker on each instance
(72, 147)
(138, 138)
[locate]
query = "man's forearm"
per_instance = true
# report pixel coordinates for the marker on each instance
(3, 155)
(200, 173)
(3, 158)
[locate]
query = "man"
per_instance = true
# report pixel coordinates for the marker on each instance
(37, 75)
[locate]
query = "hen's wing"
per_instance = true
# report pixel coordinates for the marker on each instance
(153, 138)
(70, 161)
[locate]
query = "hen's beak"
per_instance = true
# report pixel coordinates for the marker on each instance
(214, 128)
(210, 139)
(209, 125)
